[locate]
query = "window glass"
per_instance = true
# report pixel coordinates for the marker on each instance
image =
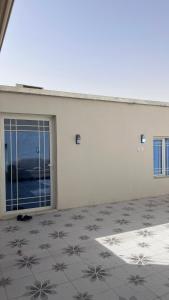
(157, 149)
(27, 164)
(167, 156)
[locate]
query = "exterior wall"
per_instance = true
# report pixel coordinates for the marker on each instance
(110, 164)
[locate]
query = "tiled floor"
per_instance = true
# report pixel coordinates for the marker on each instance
(117, 251)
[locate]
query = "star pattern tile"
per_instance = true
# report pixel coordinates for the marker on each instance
(115, 251)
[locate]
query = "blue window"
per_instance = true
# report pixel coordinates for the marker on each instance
(157, 148)
(161, 156)
(167, 156)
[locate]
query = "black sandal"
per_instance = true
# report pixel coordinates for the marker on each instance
(19, 217)
(24, 218)
(27, 218)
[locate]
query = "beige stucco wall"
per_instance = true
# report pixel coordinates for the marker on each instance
(110, 164)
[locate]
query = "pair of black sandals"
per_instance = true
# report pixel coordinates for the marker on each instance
(23, 218)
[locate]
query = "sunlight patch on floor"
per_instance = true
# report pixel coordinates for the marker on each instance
(146, 246)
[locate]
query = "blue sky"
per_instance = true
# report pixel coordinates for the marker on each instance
(109, 47)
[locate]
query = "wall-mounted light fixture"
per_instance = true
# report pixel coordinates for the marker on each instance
(77, 139)
(142, 139)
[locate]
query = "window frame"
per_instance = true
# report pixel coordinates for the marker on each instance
(163, 174)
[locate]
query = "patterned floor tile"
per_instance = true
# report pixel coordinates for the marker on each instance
(110, 251)
(16, 287)
(55, 276)
(92, 287)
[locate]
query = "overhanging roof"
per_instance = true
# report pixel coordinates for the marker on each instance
(5, 12)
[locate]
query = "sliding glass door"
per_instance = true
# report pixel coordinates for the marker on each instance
(27, 164)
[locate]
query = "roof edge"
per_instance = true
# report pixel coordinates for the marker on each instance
(6, 8)
(79, 96)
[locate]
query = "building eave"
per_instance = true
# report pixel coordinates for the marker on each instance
(5, 12)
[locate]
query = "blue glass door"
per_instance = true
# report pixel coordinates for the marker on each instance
(27, 164)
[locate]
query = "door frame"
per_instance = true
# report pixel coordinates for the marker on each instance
(2, 165)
